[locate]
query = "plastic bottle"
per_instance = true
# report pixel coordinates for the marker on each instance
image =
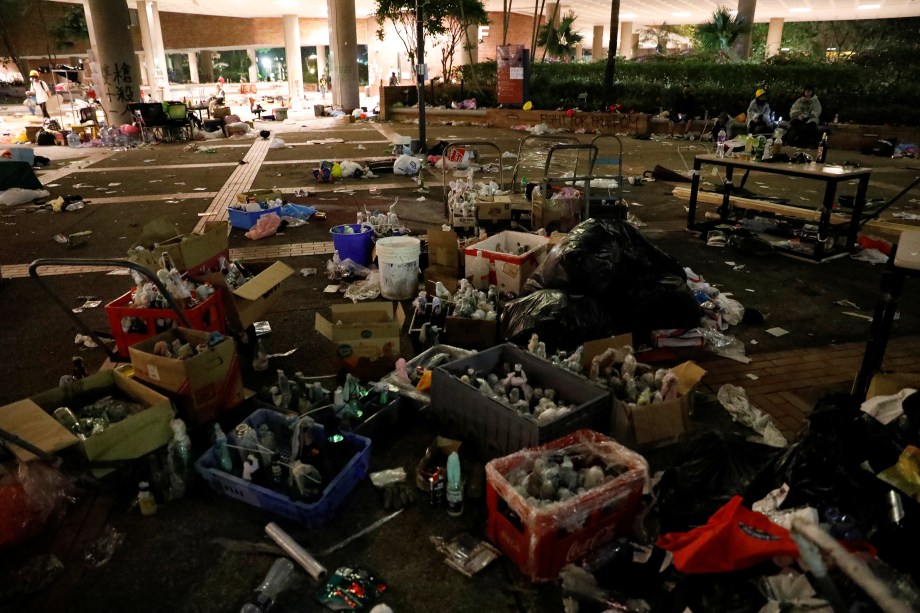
(777, 146)
(285, 388)
(761, 145)
(822, 150)
(480, 272)
(180, 451)
(767, 150)
(721, 143)
(454, 485)
(73, 139)
(274, 583)
(223, 452)
(145, 499)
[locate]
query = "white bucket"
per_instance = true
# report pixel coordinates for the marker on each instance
(398, 259)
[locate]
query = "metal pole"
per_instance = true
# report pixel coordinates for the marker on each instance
(420, 73)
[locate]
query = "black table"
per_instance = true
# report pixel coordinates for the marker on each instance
(831, 175)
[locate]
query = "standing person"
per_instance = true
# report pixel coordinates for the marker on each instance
(683, 111)
(322, 86)
(803, 120)
(394, 80)
(759, 115)
(41, 92)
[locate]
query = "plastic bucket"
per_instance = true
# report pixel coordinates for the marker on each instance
(398, 260)
(356, 247)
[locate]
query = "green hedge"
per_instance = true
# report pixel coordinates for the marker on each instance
(870, 89)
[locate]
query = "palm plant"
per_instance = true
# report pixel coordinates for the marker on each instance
(559, 41)
(719, 34)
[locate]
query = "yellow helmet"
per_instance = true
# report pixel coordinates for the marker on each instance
(759, 93)
(33, 73)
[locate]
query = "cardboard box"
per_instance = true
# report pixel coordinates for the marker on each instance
(508, 268)
(444, 250)
(458, 221)
(196, 253)
(363, 330)
(465, 413)
(888, 384)
(661, 421)
(203, 385)
(470, 333)
(448, 276)
(28, 421)
(131, 438)
(260, 195)
(496, 208)
(251, 301)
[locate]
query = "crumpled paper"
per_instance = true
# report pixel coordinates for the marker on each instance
(790, 592)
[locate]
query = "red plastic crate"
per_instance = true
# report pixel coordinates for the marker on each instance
(541, 540)
(207, 316)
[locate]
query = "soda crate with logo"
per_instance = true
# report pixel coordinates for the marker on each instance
(466, 413)
(540, 540)
(306, 514)
(132, 325)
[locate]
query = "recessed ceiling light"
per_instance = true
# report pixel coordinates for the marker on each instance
(681, 14)
(803, 9)
(868, 7)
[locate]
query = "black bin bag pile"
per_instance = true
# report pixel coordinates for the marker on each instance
(603, 278)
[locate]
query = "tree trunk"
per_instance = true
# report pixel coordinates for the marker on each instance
(742, 46)
(610, 69)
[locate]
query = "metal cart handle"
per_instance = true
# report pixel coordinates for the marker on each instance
(470, 144)
(75, 262)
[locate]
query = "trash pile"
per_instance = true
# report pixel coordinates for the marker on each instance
(86, 421)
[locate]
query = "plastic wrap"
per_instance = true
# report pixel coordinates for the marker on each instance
(28, 498)
(561, 320)
(428, 359)
(367, 289)
(267, 225)
(590, 517)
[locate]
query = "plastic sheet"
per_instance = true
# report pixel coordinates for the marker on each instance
(711, 468)
(367, 289)
(561, 320)
(735, 401)
(267, 225)
(28, 498)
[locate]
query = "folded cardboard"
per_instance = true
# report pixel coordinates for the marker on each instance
(135, 436)
(444, 250)
(258, 195)
(28, 421)
(203, 385)
(193, 252)
(494, 208)
(661, 421)
(512, 256)
(251, 301)
(363, 330)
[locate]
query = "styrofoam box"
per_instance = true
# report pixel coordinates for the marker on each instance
(509, 264)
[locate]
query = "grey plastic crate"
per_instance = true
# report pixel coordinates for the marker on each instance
(465, 413)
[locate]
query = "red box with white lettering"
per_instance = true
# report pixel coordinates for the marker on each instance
(541, 538)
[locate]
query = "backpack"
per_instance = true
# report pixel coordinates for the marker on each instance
(44, 139)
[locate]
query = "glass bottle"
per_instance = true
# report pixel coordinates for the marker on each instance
(822, 150)
(145, 499)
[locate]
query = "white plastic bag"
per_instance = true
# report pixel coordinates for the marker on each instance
(349, 168)
(406, 165)
(17, 195)
(277, 143)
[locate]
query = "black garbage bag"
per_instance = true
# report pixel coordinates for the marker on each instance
(711, 469)
(561, 320)
(602, 258)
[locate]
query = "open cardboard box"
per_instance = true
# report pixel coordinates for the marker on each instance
(204, 385)
(196, 253)
(888, 384)
(363, 330)
(652, 423)
(131, 438)
(508, 271)
(251, 301)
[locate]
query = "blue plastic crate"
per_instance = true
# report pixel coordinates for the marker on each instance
(245, 220)
(310, 515)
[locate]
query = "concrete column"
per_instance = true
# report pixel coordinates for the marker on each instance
(193, 67)
(627, 42)
(597, 46)
(206, 66)
(110, 35)
(775, 36)
(578, 52)
(149, 63)
(343, 39)
(294, 57)
(742, 46)
(321, 61)
(253, 65)
(156, 32)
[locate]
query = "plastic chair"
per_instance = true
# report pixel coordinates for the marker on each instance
(151, 118)
(177, 115)
(88, 119)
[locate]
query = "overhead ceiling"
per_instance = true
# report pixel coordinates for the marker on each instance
(590, 12)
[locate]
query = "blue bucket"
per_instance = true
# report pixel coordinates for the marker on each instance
(356, 247)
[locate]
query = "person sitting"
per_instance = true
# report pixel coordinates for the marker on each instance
(803, 120)
(219, 94)
(723, 122)
(759, 115)
(682, 113)
(394, 80)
